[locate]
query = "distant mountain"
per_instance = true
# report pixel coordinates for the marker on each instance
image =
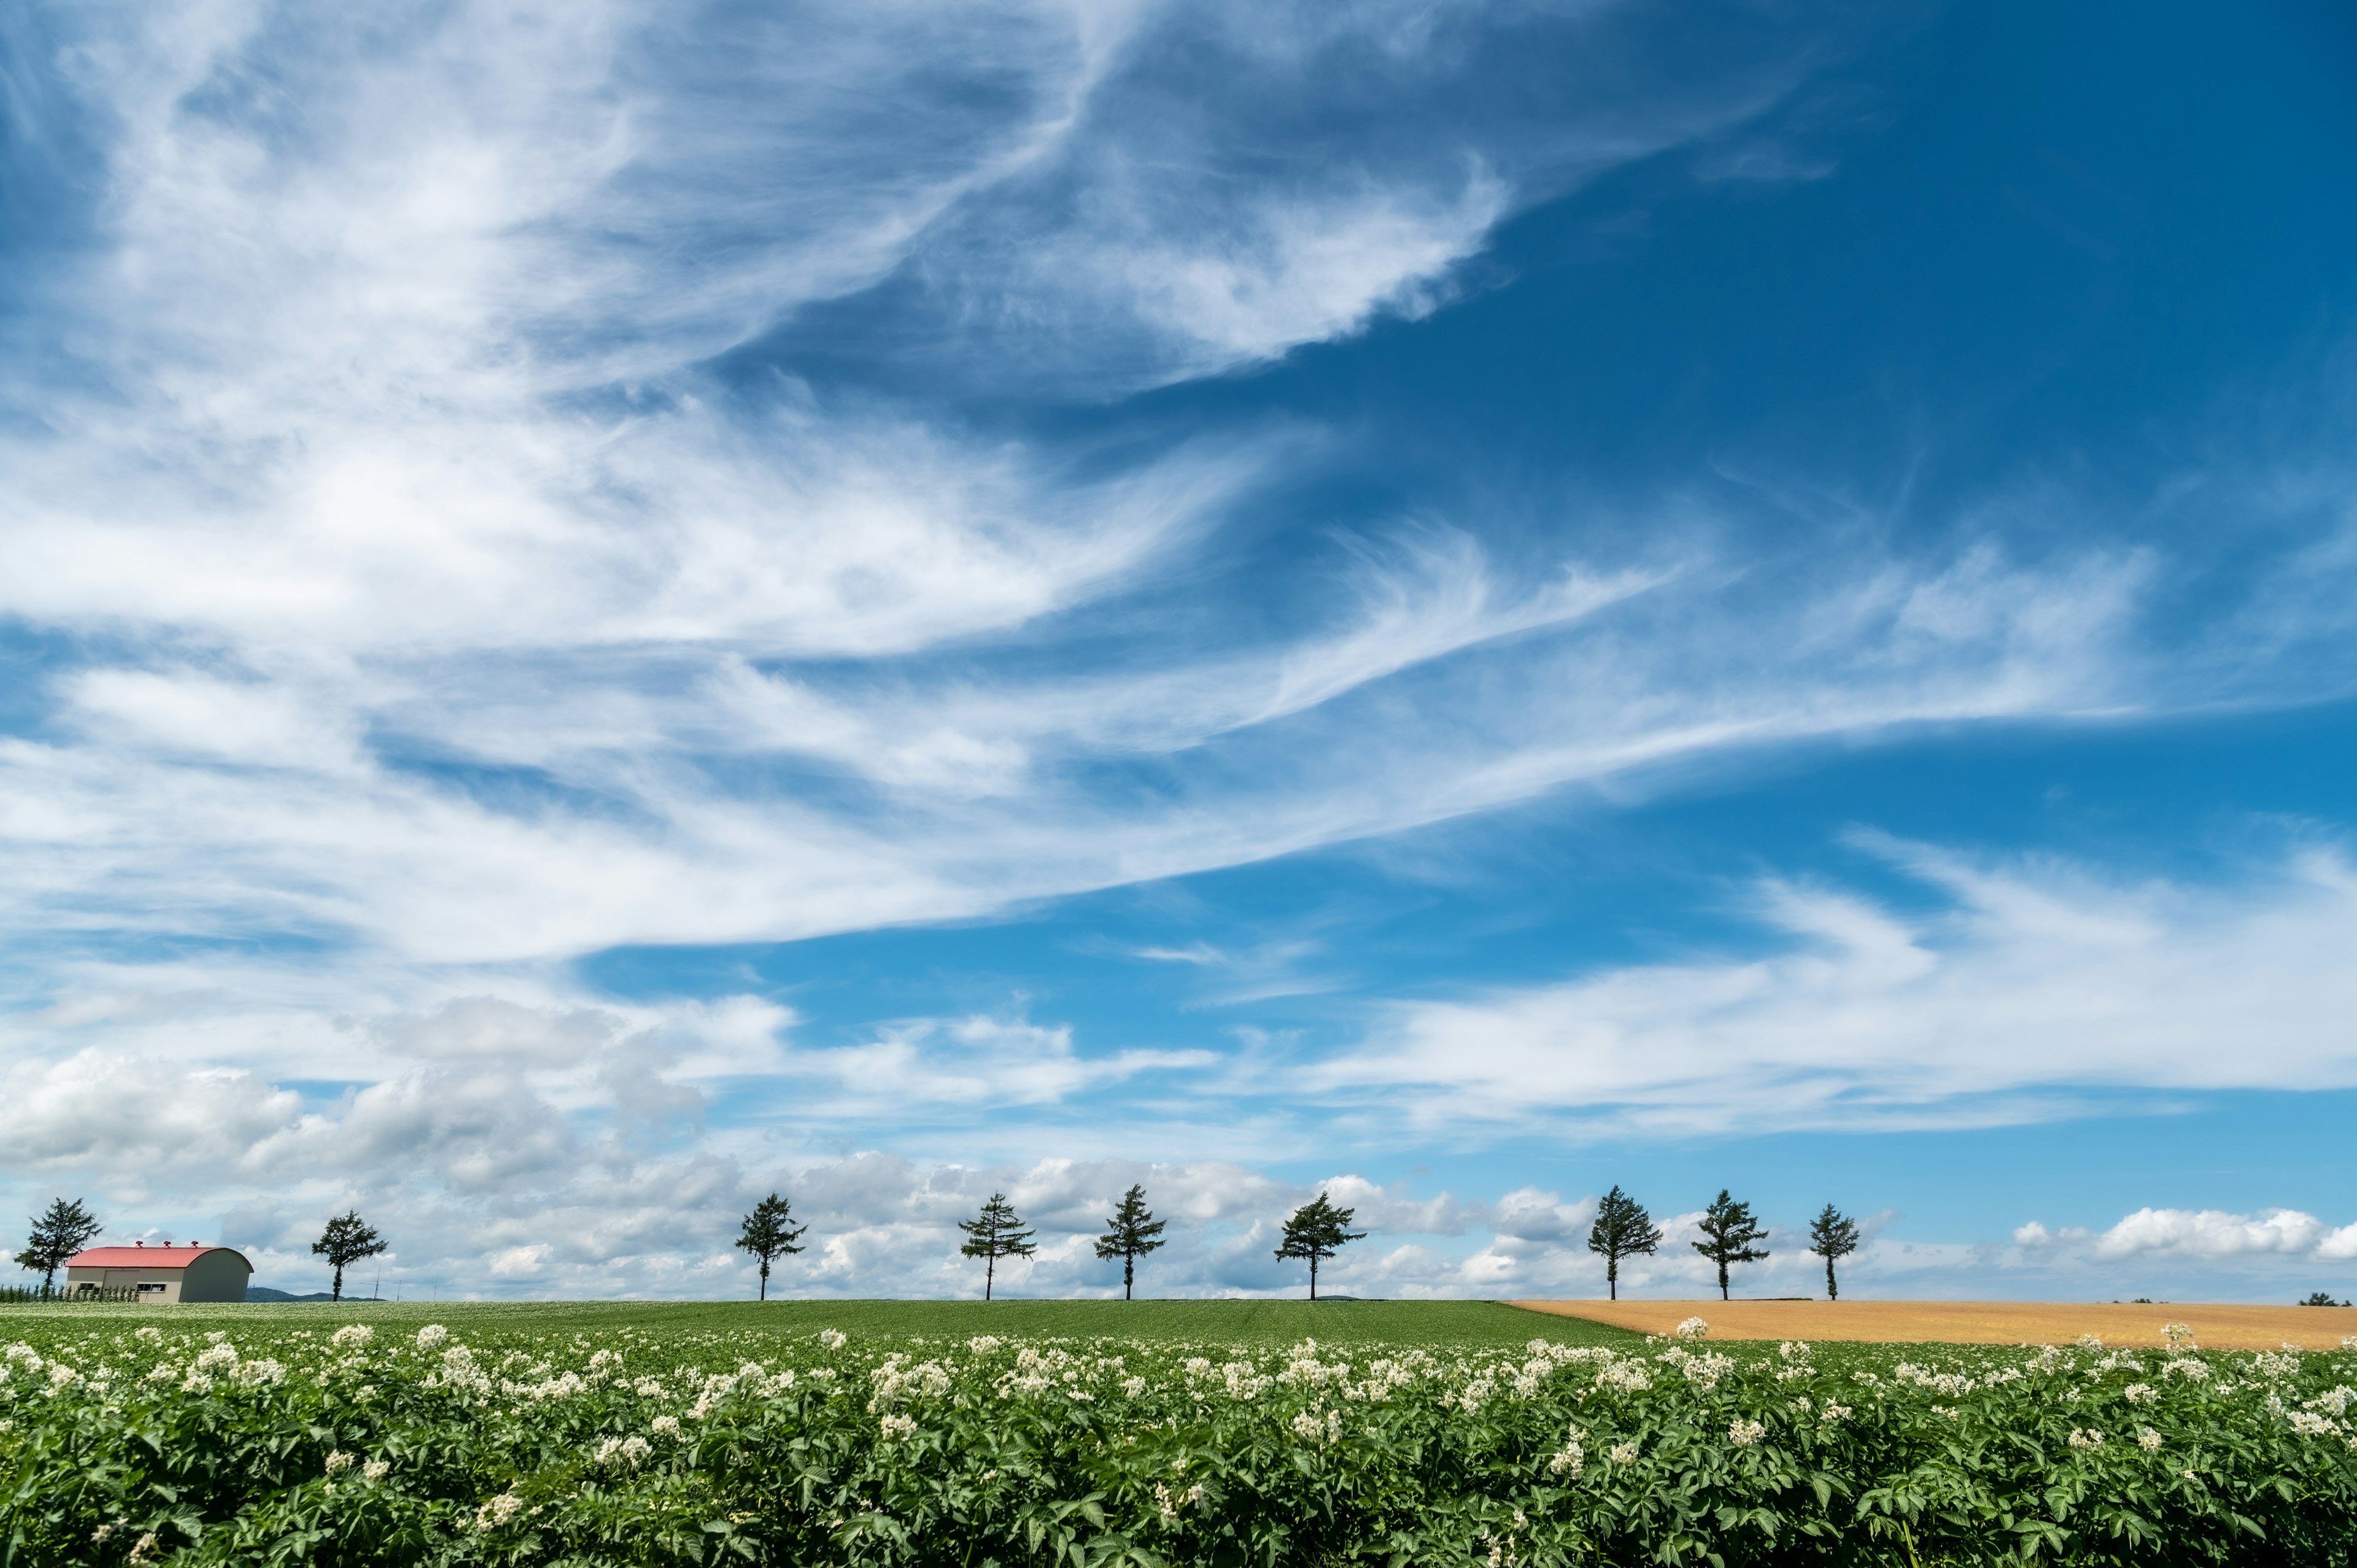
(263, 1292)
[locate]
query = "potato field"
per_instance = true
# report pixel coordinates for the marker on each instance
(854, 1435)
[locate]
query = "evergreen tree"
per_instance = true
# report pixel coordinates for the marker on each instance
(1728, 1229)
(770, 1233)
(996, 1233)
(58, 1232)
(1316, 1230)
(1833, 1234)
(1622, 1229)
(347, 1241)
(1131, 1232)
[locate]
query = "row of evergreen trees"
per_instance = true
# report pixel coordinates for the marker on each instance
(1318, 1229)
(1313, 1233)
(1729, 1236)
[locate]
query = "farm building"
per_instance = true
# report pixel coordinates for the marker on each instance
(167, 1273)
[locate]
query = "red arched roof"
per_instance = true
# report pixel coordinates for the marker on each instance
(147, 1257)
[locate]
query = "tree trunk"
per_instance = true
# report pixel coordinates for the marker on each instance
(765, 1279)
(1313, 1277)
(340, 1285)
(989, 1267)
(1722, 1283)
(1128, 1275)
(1833, 1289)
(1612, 1277)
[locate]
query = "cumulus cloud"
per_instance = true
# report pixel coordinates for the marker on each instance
(2209, 1233)
(92, 1110)
(2204, 1234)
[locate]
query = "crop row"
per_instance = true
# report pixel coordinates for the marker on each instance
(359, 1446)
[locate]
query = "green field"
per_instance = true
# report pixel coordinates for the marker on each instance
(1435, 1324)
(1147, 1434)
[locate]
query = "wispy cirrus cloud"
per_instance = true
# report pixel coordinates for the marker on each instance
(442, 603)
(2034, 980)
(442, 600)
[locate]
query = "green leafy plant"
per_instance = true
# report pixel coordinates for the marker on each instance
(517, 1437)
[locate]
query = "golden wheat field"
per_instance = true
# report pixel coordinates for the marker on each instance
(2217, 1325)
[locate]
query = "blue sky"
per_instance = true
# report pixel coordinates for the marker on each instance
(614, 607)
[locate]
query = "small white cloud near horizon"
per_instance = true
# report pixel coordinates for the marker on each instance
(2202, 1233)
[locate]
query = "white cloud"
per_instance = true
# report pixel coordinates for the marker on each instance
(449, 612)
(2208, 1233)
(965, 1065)
(2205, 1234)
(1289, 274)
(1528, 1213)
(2035, 978)
(97, 1110)
(382, 449)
